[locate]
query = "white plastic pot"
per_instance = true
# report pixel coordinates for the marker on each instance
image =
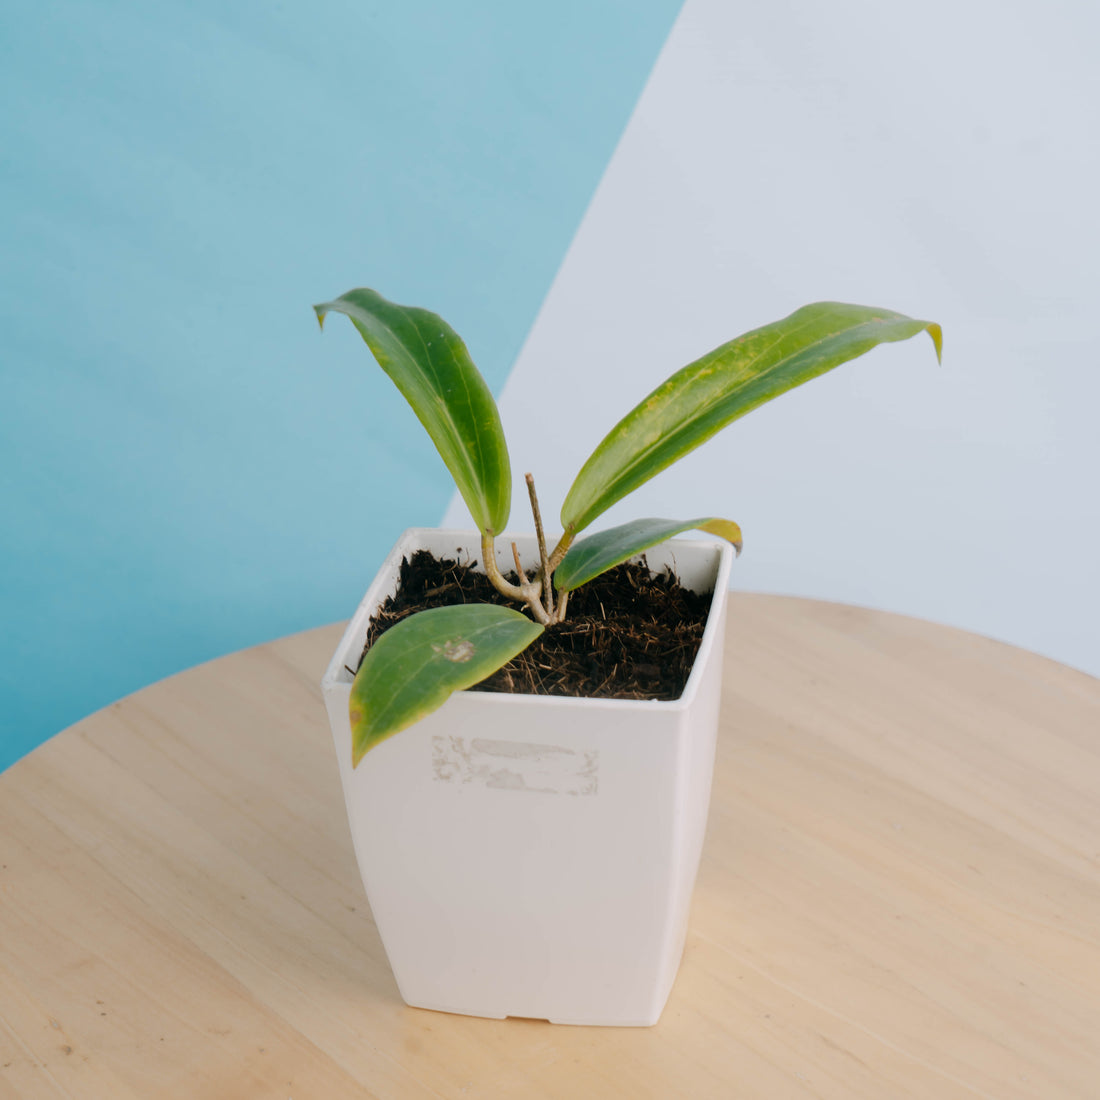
(530, 855)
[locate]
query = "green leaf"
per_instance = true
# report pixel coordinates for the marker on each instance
(415, 666)
(715, 390)
(430, 365)
(594, 555)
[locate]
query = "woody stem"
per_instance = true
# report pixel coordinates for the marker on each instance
(547, 588)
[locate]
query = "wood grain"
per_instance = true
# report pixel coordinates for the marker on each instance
(899, 897)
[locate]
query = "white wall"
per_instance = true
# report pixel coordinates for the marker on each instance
(940, 161)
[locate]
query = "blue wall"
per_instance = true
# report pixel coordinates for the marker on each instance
(186, 466)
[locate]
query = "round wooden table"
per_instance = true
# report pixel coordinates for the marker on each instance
(899, 895)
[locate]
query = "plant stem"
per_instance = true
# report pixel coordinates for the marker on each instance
(505, 588)
(519, 565)
(528, 593)
(559, 551)
(547, 587)
(563, 599)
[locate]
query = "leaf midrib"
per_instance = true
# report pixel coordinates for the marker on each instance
(672, 431)
(452, 426)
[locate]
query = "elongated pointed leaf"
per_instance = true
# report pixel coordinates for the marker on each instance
(589, 557)
(416, 665)
(430, 365)
(722, 386)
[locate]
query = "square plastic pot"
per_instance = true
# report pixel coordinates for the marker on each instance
(529, 855)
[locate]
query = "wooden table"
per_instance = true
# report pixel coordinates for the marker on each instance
(899, 896)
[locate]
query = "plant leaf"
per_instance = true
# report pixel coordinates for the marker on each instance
(415, 666)
(722, 386)
(590, 557)
(430, 365)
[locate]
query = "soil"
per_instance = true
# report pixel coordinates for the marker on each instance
(629, 634)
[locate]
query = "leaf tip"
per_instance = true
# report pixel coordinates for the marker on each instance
(359, 741)
(726, 529)
(320, 311)
(936, 333)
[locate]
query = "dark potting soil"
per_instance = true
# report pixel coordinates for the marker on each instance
(629, 634)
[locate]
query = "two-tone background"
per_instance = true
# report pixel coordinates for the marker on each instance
(592, 195)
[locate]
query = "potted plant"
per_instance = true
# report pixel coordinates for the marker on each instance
(534, 855)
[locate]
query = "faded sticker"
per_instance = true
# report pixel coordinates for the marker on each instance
(514, 765)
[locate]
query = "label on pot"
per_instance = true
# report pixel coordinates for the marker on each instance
(514, 765)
